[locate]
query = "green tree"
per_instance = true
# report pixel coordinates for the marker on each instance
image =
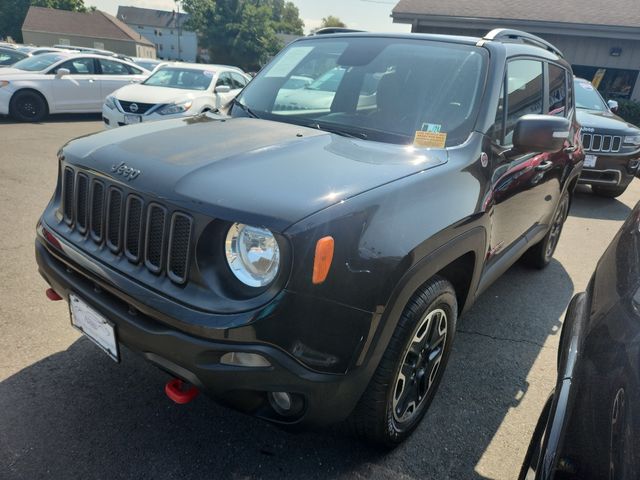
(242, 32)
(13, 13)
(332, 21)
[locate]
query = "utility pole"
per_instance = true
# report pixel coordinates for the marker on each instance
(178, 21)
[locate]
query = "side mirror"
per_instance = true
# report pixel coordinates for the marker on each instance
(223, 89)
(540, 133)
(62, 72)
(613, 106)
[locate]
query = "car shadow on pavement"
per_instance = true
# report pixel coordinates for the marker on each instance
(587, 205)
(59, 118)
(76, 414)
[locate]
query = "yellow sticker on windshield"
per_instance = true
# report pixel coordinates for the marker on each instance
(430, 139)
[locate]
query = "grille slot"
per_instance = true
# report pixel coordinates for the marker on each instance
(179, 243)
(67, 195)
(141, 109)
(156, 219)
(114, 219)
(127, 224)
(82, 200)
(601, 143)
(133, 228)
(97, 210)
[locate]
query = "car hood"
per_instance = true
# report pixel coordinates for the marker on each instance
(151, 94)
(248, 170)
(15, 71)
(605, 121)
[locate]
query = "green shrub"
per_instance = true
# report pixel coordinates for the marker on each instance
(630, 111)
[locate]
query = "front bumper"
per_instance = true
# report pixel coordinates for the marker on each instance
(5, 99)
(326, 397)
(612, 170)
(114, 118)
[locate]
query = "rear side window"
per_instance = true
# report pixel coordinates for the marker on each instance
(109, 67)
(525, 93)
(225, 80)
(557, 91)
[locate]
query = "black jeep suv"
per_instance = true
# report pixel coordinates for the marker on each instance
(306, 257)
(611, 145)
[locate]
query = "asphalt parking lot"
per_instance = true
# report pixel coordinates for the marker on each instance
(68, 411)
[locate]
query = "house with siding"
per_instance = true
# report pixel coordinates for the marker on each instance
(165, 29)
(94, 29)
(601, 40)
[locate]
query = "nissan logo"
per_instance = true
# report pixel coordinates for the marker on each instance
(133, 107)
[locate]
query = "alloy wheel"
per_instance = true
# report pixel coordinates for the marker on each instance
(420, 365)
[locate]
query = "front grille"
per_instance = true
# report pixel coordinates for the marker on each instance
(593, 142)
(145, 233)
(141, 109)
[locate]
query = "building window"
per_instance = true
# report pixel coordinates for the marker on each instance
(171, 31)
(172, 47)
(613, 83)
(98, 45)
(160, 47)
(64, 41)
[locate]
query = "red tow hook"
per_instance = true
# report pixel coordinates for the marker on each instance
(52, 295)
(179, 391)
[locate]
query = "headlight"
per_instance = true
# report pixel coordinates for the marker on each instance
(252, 254)
(173, 108)
(110, 102)
(632, 139)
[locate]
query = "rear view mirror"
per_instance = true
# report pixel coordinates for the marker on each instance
(61, 72)
(613, 106)
(540, 133)
(223, 89)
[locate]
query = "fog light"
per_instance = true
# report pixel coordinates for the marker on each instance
(634, 164)
(281, 402)
(244, 359)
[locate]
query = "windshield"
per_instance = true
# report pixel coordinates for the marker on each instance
(38, 62)
(588, 98)
(184, 78)
(382, 89)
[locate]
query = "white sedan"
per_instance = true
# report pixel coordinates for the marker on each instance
(62, 83)
(174, 90)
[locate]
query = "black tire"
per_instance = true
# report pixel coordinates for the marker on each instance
(28, 106)
(375, 418)
(609, 192)
(542, 252)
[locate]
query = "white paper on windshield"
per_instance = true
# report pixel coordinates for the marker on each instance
(288, 61)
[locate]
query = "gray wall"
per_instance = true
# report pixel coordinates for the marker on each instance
(130, 48)
(578, 50)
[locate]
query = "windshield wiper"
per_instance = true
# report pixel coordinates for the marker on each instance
(338, 131)
(244, 108)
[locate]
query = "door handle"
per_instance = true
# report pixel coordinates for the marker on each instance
(544, 166)
(91, 80)
(571, 149)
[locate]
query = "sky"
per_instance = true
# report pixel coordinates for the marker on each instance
(372, 15)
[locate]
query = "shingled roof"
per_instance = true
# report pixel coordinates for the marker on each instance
(149, 17)
(618, 13)
(95, 24)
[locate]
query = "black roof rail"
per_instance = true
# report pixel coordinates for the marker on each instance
(506, 34)
(328, 30)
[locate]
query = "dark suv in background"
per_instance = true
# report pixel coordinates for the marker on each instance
(611, 145)
(306, 258)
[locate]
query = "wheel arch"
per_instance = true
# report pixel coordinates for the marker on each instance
(459, 261)
(34, 90)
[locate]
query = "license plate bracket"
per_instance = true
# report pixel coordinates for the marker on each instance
(590, 161)
(131, 119)
(94, 326)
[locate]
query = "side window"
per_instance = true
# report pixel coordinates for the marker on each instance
(557, 91)
(134, 71)
(109, 67)
(238, 80)
(525, 90)
(224, 79)
(78, 66)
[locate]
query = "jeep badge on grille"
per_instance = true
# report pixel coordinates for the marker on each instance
(127, 172)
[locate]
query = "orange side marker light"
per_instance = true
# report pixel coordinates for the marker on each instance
(322, 260)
